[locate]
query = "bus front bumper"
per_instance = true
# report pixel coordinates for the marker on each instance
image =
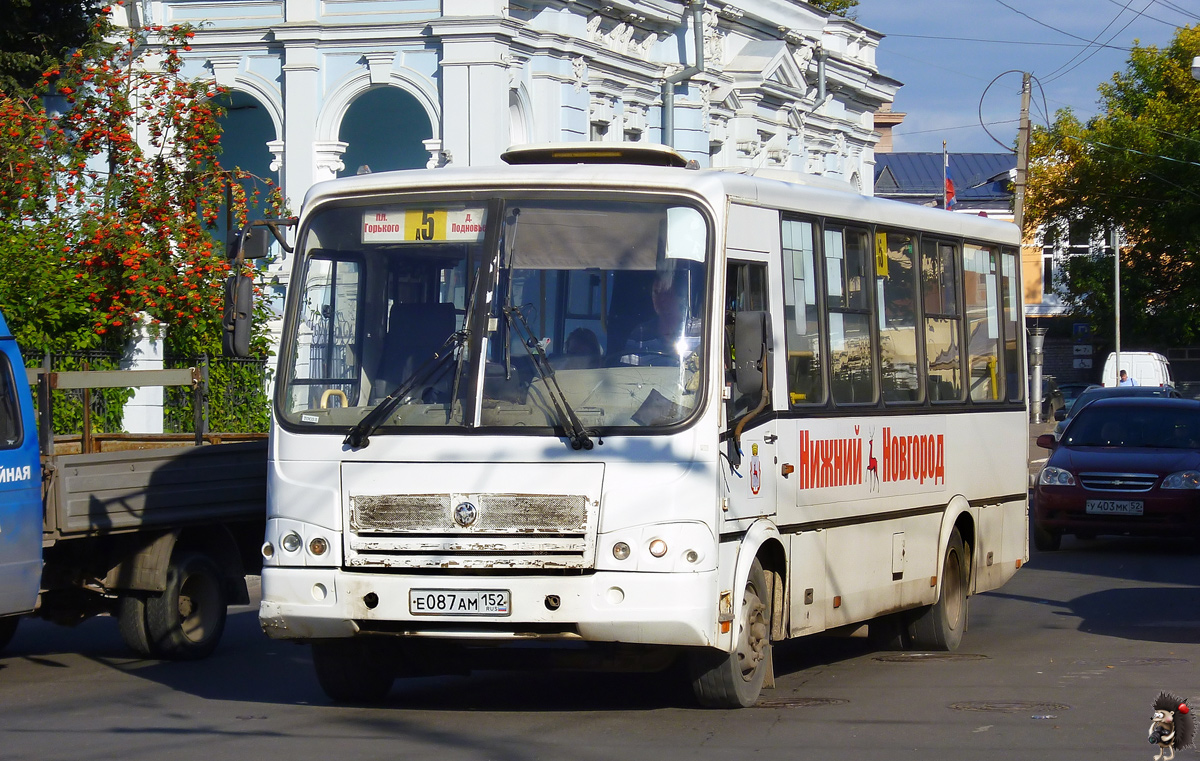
(605, 606)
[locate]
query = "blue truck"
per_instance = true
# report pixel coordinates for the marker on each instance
(157, 531)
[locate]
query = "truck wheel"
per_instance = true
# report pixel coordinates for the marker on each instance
(185, 622)
(131, 622)
(357, 670)
(940, 626)
(8, 627)
(734, 680)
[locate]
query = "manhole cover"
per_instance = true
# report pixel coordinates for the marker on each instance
(1016, 706)
(797, 702)
(923, 657)
(1132, 662)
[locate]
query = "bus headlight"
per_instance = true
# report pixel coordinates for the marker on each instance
(290, 542)
(658, 548)
(620, 550)
(318, 546)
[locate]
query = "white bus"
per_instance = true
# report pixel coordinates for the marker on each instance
(624, 408)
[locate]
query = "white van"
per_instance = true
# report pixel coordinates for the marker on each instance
(1147, 368)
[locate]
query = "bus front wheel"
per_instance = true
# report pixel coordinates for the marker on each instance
(735, 679)
(357, 670)
(940, 626)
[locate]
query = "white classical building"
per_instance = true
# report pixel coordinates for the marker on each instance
(326, 88)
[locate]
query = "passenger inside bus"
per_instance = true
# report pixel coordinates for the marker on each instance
(581, 351)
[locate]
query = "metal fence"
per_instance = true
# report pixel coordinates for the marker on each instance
(234, 393)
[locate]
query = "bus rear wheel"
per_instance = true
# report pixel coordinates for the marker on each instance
(940, 626)
(735, 679)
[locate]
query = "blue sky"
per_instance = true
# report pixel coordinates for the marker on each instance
(947, 51)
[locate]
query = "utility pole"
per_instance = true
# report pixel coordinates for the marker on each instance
(1116, 246)
(1022, 157)
(1038, 336)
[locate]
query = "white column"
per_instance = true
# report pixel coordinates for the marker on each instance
(144, 351)
(301, 86)
(474, 99)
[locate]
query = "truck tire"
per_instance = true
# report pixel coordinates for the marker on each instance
(357, 670)
(8, 627)
(940, 626)
(131, 623)
(185, 622)
(734, 680)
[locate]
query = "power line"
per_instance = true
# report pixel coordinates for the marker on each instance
(1010, 42)
(1137, 14)
(1043, 23)
(948, 129)
(1181, 11)
(1152, 18)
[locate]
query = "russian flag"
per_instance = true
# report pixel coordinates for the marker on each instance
(948, 193)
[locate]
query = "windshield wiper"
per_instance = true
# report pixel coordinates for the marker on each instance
(359, 435)
(577, 435)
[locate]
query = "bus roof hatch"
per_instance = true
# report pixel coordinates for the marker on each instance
(646, 154)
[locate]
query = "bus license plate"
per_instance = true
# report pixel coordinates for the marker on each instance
(459, 602)
(1113, 507)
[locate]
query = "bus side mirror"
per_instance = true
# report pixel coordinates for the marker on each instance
(236, 319)
(253, 242)
(751, 337)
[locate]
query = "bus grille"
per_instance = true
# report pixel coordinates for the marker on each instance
(471, 531)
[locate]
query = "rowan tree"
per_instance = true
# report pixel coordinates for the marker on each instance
(1134, 166)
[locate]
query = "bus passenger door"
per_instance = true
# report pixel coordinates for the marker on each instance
(750, 469)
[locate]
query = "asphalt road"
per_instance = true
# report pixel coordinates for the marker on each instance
(1061, 663)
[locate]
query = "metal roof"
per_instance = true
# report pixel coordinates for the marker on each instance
(980, 179)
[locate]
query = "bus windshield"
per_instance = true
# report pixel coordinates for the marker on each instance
(596, 305)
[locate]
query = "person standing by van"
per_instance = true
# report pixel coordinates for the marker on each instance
(1125, 380)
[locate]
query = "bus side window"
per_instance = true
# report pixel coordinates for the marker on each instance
(804, 372)
(896, 282)
(745, 291)
(983, 323)
(851, 357)
(939, 281)
(1010, 292)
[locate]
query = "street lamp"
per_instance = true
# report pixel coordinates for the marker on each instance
(1037, 339)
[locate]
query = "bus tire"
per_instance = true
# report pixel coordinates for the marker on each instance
(356, 670)
(734, 680)
(1046, 539)
(131, 623)
(186, 621)
(940, 626)
(8, 627)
